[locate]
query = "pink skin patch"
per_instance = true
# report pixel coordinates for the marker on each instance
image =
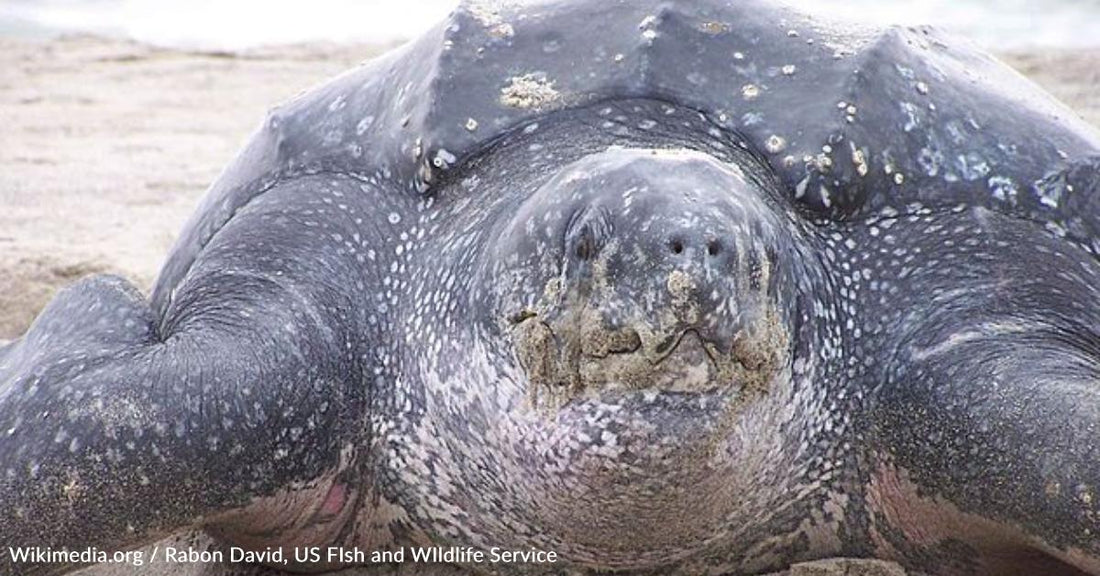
(335, 499)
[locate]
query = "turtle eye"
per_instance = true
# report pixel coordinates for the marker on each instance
(586, 233)
(584, 247)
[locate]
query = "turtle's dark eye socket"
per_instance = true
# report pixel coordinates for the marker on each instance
(587, 232)
(585, 248)
(714, 247)
(676, 246)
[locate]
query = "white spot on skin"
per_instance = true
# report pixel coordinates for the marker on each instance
(930, 160)
(471, 124)
(1002, 188)
(859, 160)
(775, 144)
(363, 125)
(750, 91)
(443, 159)
(800, 188)
(789, 70)
(912, 121)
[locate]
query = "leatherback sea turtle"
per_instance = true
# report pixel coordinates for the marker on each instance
(665, 287)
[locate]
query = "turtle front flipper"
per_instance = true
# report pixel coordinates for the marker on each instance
(984, 454)
(118, 427)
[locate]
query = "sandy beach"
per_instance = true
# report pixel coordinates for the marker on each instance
(108, 145)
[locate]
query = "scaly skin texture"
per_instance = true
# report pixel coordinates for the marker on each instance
(693, 295)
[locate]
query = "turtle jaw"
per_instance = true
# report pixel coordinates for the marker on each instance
(673, 465)
(651, 424)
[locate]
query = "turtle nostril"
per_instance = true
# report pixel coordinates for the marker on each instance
(676, 246)
(714, 247)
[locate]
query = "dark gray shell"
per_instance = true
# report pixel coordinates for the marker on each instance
(851, 120)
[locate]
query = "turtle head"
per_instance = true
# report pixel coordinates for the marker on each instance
(646, 297)
(621, 367)
(644, 271)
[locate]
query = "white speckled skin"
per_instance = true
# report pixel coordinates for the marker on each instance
(894, 236)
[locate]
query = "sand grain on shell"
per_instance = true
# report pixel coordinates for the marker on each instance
(529, 91)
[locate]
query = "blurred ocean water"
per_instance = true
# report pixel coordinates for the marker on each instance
(239, 24)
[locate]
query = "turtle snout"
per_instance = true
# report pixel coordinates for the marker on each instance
(665, 245)
(656, 233)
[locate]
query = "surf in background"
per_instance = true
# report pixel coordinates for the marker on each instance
(242, 24)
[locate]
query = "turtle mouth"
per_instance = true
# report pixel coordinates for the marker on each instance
(688, 364)
(563, 364)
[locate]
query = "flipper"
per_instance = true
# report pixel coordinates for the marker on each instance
(118, 427)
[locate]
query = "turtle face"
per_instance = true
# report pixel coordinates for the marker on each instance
(641, 271)
(643, 297)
